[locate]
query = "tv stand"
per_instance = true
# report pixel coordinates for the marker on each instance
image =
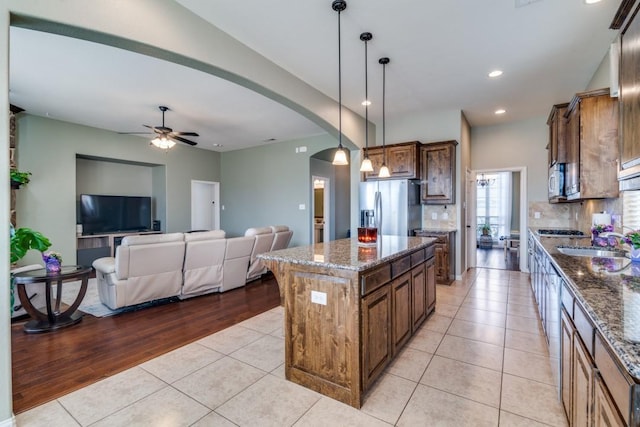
(93, 246)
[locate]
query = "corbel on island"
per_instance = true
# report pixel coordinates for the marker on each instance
(349, 309)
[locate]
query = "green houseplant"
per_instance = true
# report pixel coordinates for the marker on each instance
(485, 229)
(22, 240)
(18, 178)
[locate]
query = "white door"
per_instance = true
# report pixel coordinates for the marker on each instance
(471, 218)
(320, 209)
(205, 210)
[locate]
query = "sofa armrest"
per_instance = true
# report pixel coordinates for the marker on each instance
(106, 265)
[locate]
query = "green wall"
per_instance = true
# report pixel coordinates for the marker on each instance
(48, 149)
(265, 185)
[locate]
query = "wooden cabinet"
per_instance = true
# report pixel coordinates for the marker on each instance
(431, 285)
(566, 358)
(630, 97)
(438, 166)
(592, 146)
(402, 319)
(557, 134)
(605, 413)
(418, 296)
(444, 265)
(376, 339)
(582, 373)
(401, 159)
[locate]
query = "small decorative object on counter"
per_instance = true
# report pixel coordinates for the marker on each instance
(596, 240)
(632, 238)
(367, 235)
(52, 261)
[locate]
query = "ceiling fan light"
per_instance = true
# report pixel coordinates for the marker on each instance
(384, 172)
(163, 142)
(340, 158)
(366, 165)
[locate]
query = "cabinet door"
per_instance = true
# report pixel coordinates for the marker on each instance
(437, 163)
(401, 314)
(419, 296)
(440, 263)
(431, 285)
(571, 183)
(605, 413)
(630, 99)
(582, 385)
(566, 356)
(376, 337)
(401, 161)
(557, 134)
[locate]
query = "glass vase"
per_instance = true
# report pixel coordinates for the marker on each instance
(52, 266)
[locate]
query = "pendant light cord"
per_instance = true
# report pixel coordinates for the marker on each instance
(366, 103)
(384, 62)
(339, 84)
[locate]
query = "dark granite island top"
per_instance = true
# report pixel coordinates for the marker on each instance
(609, 291)
(349, 309)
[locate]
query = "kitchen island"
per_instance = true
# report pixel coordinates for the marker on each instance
(348, 309)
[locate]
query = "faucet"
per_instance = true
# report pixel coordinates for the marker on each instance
(613, 234)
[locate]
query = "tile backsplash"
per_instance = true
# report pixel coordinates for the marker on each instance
(436, 216)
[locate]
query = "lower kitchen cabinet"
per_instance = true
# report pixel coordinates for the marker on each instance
(582, 372)
(376, 339)
(431, 285)
(566, 353)
(444, 254)
(401, 290)
(605, 413)
(418, 296)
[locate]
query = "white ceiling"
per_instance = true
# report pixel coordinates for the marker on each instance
(441, 52)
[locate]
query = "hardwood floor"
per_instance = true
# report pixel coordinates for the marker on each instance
(494, 258)
(47, 366)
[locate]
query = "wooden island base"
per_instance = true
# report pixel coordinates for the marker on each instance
(349, 309)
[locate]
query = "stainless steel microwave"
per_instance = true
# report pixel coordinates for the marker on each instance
(556, 181)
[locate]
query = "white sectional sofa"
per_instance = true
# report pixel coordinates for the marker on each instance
(183, 265)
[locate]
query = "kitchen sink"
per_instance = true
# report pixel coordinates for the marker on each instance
(591, 251)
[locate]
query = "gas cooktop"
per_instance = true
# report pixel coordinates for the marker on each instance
(559, 232)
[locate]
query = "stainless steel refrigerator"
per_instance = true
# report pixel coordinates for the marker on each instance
(394, 205)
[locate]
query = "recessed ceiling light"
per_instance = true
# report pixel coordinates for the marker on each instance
(366, 102)
(591, 1)
(495, 73)
(501, 111)
(217, 145)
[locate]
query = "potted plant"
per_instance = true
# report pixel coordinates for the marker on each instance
(22, 240)
(486, 229)
(18, 178)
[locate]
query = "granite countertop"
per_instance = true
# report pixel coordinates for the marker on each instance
(347, 254)
(609, 291)
(437, 229)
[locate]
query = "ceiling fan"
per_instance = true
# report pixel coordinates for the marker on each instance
(166, 135)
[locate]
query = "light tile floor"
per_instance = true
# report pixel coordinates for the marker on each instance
(480, 360)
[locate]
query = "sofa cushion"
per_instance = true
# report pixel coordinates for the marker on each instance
(254, 231)
(152, 238)
(204, 235)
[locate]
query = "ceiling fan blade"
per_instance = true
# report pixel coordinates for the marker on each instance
(185, 133)
(134, 133)
(186, 141)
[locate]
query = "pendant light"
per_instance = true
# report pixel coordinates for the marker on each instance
(366, 165)
(340, 158)
(384, 170)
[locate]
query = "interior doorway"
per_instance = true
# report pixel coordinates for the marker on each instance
(321, 219)
(205, 206)
(497, 218)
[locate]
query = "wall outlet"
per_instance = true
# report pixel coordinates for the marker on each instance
(536, 215)
(445, 215)
(319, 297)
(434, 215)
(302, 206)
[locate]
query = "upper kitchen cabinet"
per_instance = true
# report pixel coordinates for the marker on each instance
(438, 165)
(557, 134)
(592, 146)
(401, 159)
(630, 100)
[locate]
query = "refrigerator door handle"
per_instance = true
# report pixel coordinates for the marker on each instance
(377, 205)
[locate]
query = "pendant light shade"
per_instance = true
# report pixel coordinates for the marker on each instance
(366, 165)
(340, 158)
(162, 142)
(384, 170)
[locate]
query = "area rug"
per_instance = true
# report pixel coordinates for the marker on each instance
(91, 302)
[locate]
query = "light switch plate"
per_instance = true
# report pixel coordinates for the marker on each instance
(319, 297)
(434, 215)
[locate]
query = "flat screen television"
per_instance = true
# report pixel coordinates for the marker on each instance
(111, 214)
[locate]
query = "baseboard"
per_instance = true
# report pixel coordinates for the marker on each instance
(10, 422)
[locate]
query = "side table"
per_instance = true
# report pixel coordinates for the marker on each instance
(55, 315)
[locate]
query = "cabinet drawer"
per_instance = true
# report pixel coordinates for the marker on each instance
(584, 327)
(372, 280)
(567, 299)
(429, 252)
(417, 257)
(617, 383)
(400, 266)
